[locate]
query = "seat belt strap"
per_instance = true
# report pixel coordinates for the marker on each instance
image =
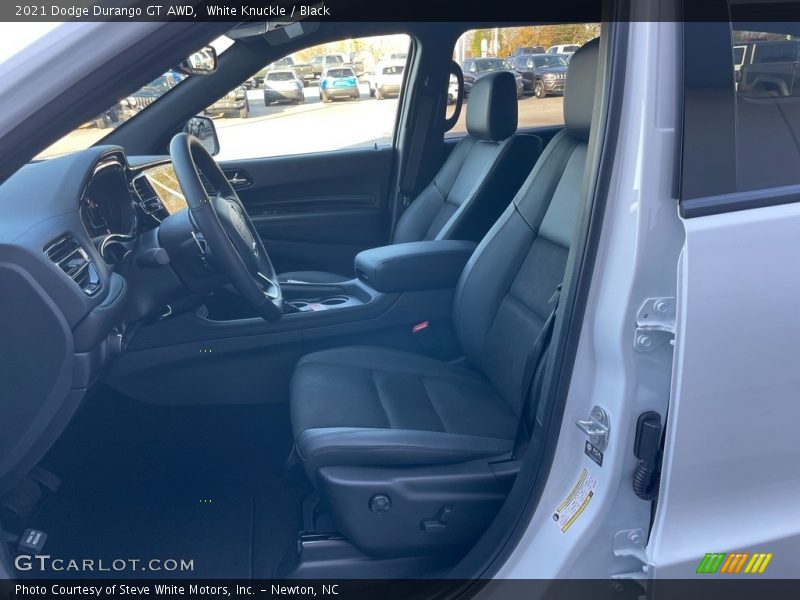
(535, 357)
(422, 126)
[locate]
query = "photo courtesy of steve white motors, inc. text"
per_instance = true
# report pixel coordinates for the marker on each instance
(221, 8)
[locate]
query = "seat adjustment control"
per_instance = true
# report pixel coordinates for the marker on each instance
(439, 522)
(380, 503)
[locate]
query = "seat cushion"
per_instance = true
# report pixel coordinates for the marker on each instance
(366, 405)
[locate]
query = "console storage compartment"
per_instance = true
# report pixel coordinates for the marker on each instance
(429, 265)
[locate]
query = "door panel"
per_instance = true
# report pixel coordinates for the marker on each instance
(317, 211)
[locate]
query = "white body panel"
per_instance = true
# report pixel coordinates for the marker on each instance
(730, 473)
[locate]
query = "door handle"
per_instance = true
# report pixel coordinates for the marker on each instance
(238, 178)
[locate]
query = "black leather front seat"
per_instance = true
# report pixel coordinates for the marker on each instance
(358, 410)
(476, 182)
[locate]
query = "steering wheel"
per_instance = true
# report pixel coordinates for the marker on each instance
(235, 247)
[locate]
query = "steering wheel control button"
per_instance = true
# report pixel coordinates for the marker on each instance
(380, 503)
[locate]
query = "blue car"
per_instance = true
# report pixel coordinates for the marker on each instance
(338, 82)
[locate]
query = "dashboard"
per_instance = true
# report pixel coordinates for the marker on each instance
(121, 201)
(92, 244)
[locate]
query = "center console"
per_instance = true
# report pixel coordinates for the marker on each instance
(401, 298)
(382, 273)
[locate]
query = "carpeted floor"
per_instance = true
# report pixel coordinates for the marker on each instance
(204, 484)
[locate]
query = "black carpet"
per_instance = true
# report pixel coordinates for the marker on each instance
(203, 484)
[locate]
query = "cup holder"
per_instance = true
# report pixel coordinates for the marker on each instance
(319, 304)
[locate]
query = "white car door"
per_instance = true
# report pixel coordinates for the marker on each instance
(728, 504)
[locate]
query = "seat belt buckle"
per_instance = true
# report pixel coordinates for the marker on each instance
(426, 337)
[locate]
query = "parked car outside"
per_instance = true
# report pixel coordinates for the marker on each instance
(323, 62)
(452, 90)
(338, 82)
(563, 49)
(234, 102)
(283, 85)
(395, 56)
(147, 95)
(363, 62)
(527, 50)
(739, 53)
(543, 74)
(388, 79)
(304, 71)
(770, 69)
(475, 68)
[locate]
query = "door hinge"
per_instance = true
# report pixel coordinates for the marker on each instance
(631, 543)
(655, 324)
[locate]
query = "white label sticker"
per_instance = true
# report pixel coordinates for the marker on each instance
(577, 501)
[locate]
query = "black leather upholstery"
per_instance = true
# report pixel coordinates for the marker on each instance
(373, 406)
(414, 266)
(579, 91)
(475, 183)
(492, 109)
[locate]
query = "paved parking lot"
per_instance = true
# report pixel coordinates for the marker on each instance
(315, 126)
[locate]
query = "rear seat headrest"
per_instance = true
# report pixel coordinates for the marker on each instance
(492, 107)
(580, 89)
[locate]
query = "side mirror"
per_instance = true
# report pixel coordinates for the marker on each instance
(202, 62)
(204, 130)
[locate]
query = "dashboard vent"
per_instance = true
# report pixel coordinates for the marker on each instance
(70, 257)
(148, 199)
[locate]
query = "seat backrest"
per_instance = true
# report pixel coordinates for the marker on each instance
(502, 299)
(482, 173)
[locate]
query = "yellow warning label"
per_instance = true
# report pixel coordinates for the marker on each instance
(576, 502)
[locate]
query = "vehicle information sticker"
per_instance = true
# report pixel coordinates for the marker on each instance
(577, 501)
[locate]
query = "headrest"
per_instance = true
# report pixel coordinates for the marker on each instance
(492, 107)
(580, 88)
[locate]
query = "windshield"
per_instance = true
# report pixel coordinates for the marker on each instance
(95, 129)
(396, 70)
(549, 61)
(492, 65)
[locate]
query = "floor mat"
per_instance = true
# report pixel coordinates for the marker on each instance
(205, 539)
(194, 483)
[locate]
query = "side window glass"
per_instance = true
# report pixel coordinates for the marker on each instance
(540, 90)
(768, 111)
(742, 108)
(338, 95)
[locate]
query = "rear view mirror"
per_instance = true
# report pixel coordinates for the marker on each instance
(204, 130)
(202, 62)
